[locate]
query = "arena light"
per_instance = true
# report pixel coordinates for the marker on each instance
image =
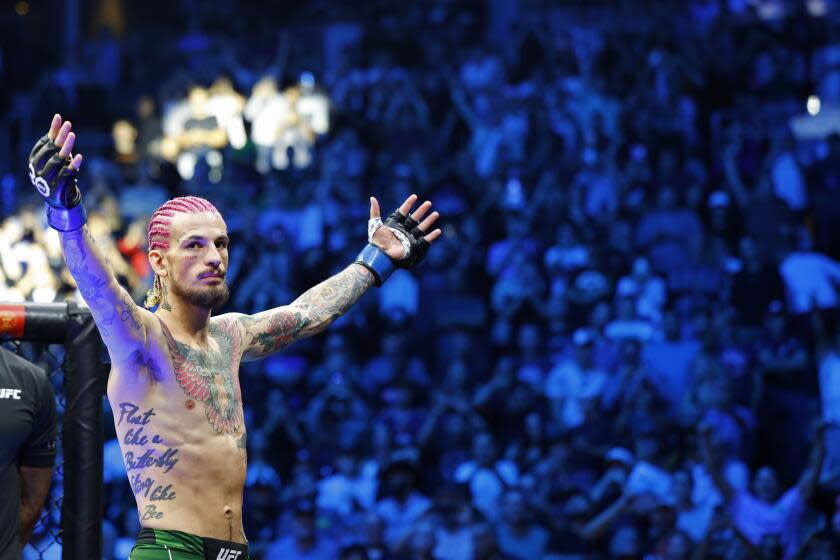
(817, 8)
(769, 10)
(208, 120)
(813, 105)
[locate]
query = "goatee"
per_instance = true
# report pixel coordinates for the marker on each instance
(210, 297)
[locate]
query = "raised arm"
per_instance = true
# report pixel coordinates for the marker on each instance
(119, 319)
(54, 174)
(401, 241)
(311, 313)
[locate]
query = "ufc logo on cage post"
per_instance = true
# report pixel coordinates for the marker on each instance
(10, 394)
(228, 554)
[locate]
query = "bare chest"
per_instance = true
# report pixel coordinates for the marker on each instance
(208, 378)
(188, 387)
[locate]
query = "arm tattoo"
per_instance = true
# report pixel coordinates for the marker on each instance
(91, 285)
(116, 315)
(330, 299)
(311, 313)
(277, 330)
(130, 314)
(207, 375)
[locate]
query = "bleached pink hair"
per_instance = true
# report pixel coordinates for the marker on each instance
(160, 230)
(160, 224)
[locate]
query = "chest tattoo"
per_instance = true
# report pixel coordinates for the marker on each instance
(207, 376)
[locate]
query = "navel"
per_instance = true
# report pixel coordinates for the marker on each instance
(190, 404)
(229, 517)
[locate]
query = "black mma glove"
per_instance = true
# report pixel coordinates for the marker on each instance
(405, 228)
(411, 238)
(56, 182)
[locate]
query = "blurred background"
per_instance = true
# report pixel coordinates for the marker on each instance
(624, 346)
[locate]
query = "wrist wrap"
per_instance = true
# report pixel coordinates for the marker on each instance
(375, 260)
(66, 219)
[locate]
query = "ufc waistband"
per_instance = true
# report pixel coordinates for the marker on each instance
(160, 544)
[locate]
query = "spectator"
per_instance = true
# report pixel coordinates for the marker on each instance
(517, 535)
(764, 513)
(348, 488)
(400, 504)
(575, 385)
(692, 518)
(669, 360)
(402, 413)
(669, 235)
(486, 475)
(394, 357)
(336, 416)
(647, 289)
(454, 533)
(337, 359)
(305, 541)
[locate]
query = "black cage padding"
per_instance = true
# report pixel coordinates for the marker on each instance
(83, 437)
(46, 322)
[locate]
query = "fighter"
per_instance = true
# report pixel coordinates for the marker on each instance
(174, 381)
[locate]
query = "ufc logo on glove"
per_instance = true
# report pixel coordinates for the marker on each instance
(39, 183)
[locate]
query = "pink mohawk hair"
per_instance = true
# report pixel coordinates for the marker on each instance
(160, 222)
(160, 229)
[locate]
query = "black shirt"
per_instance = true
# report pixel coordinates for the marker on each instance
(27, 438)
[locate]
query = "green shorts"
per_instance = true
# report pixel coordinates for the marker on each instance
(159, 544)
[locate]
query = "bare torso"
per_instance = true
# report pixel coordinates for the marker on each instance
(178, 416)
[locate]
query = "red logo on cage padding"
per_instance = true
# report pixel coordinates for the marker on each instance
(12, 319)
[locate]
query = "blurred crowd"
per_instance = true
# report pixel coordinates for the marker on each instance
(626, 344)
